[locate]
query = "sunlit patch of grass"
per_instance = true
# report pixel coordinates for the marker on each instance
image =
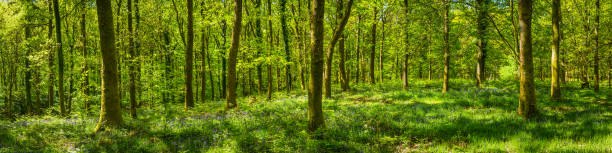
(379, 118)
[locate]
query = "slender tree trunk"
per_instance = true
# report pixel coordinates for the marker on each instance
(555, 90)
(483, 6)
(330, 50)
(358, 58)
(446, 36)
(60, 56)
(286, 42)
(259, 39)
(28, 71)
(407, 43)
(429, 68)
(51, 77)
(596, 47)
(527, 97)
(315, 112)
(85, 66)
(587, 30)
(231, 76)
(189, 58)
(132, 61)
(223, 60)
(343, 74)
(271, 44)
(382, 46)
(110, 111)
(373, 51)
(204, 49)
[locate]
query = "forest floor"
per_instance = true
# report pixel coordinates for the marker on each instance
(369, 118)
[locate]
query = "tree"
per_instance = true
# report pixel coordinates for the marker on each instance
(231, 75)
(555, 90)
(189, 58)
(330, 50)
(132, 62)
(446, 36)
(110, 110)
(283, 9)
(596, 47)
(84, 53)
(482, 42)
(60, 56)
(315, 112)
(373, 51)
(527, 97)
(51, 77)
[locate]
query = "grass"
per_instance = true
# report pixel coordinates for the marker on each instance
(379, 118)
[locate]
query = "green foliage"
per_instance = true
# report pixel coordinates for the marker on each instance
(368, 119)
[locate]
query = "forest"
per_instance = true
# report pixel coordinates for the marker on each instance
(305, 76)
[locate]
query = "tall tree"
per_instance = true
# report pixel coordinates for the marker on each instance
(527, 99)
(446, 37)
(315, 112)
(110, 110)
(51, 77)
(482, 42)
(259, 39)
(189, 57)
(330, 50)
(555, 90)
(283, 10)
(231, 75)
(84, 53)
(373, 51)
(132, 61)
(596, 47)
(60, 56)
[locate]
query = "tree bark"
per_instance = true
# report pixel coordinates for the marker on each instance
(373, 51)
(60, 56)
(315, 112)
(446, 36)
(596, 47)
(283, 9)
(51, 77)
(555, 90)
(85, 66)
(189, 58)
(110, 111)
(482, 42)
(132, 61)
(231, 76)
(330, 50)
(259, 39)
(527, 98)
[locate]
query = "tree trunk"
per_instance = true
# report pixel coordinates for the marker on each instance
(60, 56)
(204, 49)
(343, 75)
(483, 6)
(85, 66)
(259, 39)
(596, 47)
(132, 61)
(51, 77)
(231, 76)
(189, 58)
(446, 36)
(555, 90)
(110, 111)
(382, 51)
(286, 42)
(330, 50)
(373, 51)
(315, 112)
(527, 97)
(271, 43)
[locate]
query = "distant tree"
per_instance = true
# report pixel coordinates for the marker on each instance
(60, 56)
(483, 6)
(373, 51)
(330, 50)
(596, 47)
(446, 36)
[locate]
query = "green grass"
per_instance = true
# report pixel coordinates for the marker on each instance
(379, 118)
